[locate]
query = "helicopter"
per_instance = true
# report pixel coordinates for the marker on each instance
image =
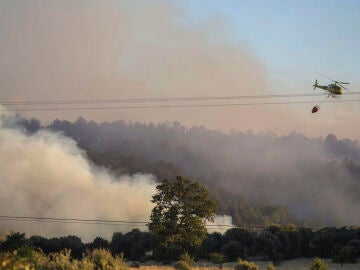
(333, 90)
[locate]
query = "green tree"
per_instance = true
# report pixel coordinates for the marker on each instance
(13, 241)
(178, 218)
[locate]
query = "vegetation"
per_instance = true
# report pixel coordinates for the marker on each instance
(245, 265)
(178, 219)
(318, 264)
(339, 244)
(217, 258)
(182, 265)
(98, 259)
(187, 258)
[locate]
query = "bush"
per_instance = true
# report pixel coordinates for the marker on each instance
(102, 259)
(234, 250)
(99, 259)
(62, 260)
(31, 261)
(182, 265)
(318, 264)
(270, 266)
(217, 258)
(276, 258)
(245, 265)
(346, 254)
(187, 258)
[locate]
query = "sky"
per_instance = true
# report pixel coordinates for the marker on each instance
(71, 50)
(293, 36)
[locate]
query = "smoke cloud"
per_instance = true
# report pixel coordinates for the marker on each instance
(221, 224)
(316, 178)
(47, 175)
(56, 50)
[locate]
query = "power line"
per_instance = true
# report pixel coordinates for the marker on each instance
(115, 222)
(177, 106)
(73, 221)
(140, 100)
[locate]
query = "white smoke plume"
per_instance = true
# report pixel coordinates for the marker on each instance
(221, 224)
(47, 175)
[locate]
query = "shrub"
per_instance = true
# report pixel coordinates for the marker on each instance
(185, 257)
(346, 254)
(245, 265)
(217, 258)
(102, 259)
(276, 258)
(62, 260)
(182, 265)
(28, 260)
(318, 264)
(9, 260)
(234, 250)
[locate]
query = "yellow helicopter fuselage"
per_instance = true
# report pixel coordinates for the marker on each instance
(333, 88)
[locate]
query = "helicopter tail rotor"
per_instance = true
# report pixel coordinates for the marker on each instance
(315, 85)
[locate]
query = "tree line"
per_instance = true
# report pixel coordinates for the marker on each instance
(275, 243)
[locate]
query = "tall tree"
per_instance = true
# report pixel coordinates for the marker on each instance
(179, 216)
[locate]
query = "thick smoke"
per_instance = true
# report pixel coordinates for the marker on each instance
(315, 178)
(47, 175)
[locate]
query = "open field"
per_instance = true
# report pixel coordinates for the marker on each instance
(299, 264)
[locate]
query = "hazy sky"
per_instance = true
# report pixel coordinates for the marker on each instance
(61, 50)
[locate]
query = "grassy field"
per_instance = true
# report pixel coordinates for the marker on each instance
(299, 264)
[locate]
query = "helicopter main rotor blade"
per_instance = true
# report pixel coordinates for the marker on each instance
(325, 76)
(342, 82)
(343, 86)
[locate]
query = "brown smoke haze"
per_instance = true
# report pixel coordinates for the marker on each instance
(66, 50)
(51, 50)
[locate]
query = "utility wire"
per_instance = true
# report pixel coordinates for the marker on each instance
(139, 100)
(177, 106)
(112, 222)
(73, 222)
(74, 219)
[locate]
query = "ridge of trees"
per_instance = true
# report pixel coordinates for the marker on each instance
(275, 243)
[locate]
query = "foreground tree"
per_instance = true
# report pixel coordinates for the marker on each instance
(178, 218)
